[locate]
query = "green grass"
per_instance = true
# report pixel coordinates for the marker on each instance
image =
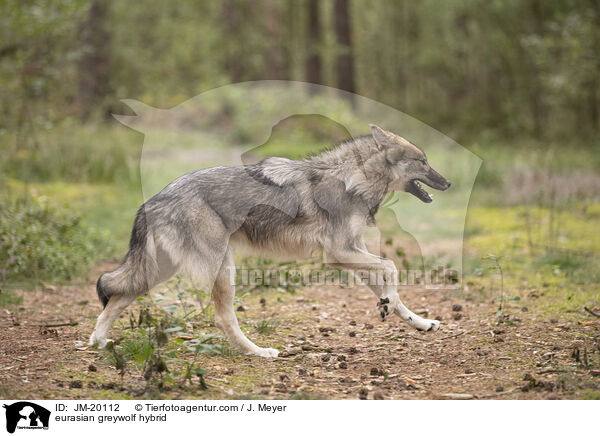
(563, 281)
(73, 152)
(9, 298)
(266, 326)
(590, 394)
(137, 347)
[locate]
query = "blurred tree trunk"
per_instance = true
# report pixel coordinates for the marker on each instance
(233, 48)
(535, 85)
(276, 56)
(94, 65)
(313, 43)
(594, 85)
(345, 61)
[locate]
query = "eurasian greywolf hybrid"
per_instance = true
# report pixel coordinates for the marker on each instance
(278, 205)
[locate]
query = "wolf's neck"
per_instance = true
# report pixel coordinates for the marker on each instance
(361, 167)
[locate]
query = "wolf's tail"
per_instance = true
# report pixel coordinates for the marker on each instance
(102, 291)
(131, 277)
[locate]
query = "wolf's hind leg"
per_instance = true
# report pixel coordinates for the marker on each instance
(223, 294)
(119, 288)
(111, 312)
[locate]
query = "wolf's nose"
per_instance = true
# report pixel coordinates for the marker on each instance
(449, 183)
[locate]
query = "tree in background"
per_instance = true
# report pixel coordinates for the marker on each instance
(94, 66)
(313, 43)
(345, 60)
(276, 58)
(472, 68)
(234, 45)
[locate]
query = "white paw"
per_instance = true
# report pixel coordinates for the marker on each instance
(385, 307)
(267, 352)
(428, 325)
(435, 325)
(99, 342)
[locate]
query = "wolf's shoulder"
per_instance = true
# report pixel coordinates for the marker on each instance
(278, 170)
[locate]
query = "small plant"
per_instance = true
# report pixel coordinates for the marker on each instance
(265, 326)
(137, 348)
(498, 268)
(191, 369)
(201, 345)
(205, 344)
(118, 360)
(148, 348)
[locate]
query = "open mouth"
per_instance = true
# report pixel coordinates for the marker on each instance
(415, 188)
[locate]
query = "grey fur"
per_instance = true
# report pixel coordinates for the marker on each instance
(278, 205)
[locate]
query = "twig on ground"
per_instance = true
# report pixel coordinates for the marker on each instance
(413, 337)
(497, 394)
(432, 340)
(591, 312)
(551, 371)
(60, 324)
(452, 336)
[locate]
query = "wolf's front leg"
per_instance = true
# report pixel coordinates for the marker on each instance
(415, 320)
(386, 291)
(390, 302)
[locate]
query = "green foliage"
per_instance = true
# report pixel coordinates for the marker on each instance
(590, 394)
(471, 68)
(552, 280)
(75, 153)
(137, 347)
(148, 346)
(205, 344)
(38, 63)
(41, 242)
(266, 326)
(577, 267)
(9, 298)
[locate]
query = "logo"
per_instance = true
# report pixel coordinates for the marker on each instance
(26, 415)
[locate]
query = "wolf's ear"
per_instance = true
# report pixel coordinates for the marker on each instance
(383, 138)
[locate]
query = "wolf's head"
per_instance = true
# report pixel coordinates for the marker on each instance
(408, 165)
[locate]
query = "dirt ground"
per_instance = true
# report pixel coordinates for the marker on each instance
(332, 347)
